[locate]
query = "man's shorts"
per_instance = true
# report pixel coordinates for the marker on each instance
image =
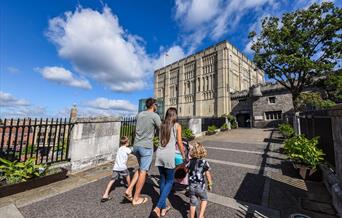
(144, 156)
(119, 174)
(195, 192)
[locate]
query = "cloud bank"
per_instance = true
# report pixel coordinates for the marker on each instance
(100, 48)
(63, 76)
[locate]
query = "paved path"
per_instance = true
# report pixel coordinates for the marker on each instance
(244, 164)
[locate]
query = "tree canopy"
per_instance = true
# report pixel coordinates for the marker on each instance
(300, 46)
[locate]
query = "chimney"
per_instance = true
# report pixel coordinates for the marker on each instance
(73, 113)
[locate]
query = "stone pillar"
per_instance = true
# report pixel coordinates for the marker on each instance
(195, 124)
(167, 88)
(198, 94)
(221, 93)
(73, 113)
(296, 123)
(156, 88)
(93, 141)
(181, 89)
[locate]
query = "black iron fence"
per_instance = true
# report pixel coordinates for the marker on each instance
(184, 122)
(45, 140)
(210, 121)
(128, 125)
(318, 123)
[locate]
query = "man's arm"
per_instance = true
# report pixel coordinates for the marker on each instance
(157, 121)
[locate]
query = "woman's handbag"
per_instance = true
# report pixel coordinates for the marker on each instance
(178, 159)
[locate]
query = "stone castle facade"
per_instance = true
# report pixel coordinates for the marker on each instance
(200, 84)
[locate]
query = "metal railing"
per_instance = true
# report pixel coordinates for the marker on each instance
(45, 140)
(209, 121)
(128, 125)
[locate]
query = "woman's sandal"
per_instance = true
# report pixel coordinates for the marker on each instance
(154, 214)
(143, 201)
(128, 197)
(166, 210)
(105, 199)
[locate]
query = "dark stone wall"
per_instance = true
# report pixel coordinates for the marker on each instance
(257, 107)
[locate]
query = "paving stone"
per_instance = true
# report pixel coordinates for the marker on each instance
(318, 206)
(237, 157)
(238, 183)
(10, 211)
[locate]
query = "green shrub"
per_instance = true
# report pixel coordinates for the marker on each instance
(302, 150)
(232, 121)
(156, 141)
(224, 126)
(287, 130)
(31, 148)
(187, 133)
(212, 129)
(15, 172)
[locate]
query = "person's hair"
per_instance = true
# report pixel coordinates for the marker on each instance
(149, 102)
(124, 140)
(167, 125)
(198, 151)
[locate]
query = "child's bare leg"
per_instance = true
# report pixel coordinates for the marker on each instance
(192, 211)
(134, 180)
(128, 180)
(202, 208)
(109, 186)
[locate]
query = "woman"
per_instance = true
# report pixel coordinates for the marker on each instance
(170, 137)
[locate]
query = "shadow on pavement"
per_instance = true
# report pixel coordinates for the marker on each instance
(287, 192)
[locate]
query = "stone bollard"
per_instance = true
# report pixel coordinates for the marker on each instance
(195, 124)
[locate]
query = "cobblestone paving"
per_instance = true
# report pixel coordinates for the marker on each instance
(244, 181)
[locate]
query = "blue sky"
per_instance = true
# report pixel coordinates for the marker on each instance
(100, 55)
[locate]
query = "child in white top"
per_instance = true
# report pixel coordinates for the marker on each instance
(120, 167)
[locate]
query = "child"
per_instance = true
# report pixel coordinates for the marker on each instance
(120, 167)
(197, 167)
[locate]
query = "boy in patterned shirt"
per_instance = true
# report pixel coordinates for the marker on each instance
(197, 168)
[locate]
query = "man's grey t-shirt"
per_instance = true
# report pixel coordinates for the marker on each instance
(147, 122)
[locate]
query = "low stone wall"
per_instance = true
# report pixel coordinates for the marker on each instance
(93, 141)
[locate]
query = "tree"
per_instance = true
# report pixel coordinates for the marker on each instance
(333, 84)
(300, 47)
(312, 101)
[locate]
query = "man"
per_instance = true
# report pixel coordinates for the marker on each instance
(147, 122)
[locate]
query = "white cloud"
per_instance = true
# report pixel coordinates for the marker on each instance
(8, 100)
(200, 19)
(196, 12)
(102, 107)
(169, 55)
(13, 70)
(111, 105)
(12, 107)
(248, 48)
(97, 46)
(63, 76)
(22, 112)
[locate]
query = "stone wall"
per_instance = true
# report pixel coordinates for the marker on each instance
(283, 103)
(93, 141)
